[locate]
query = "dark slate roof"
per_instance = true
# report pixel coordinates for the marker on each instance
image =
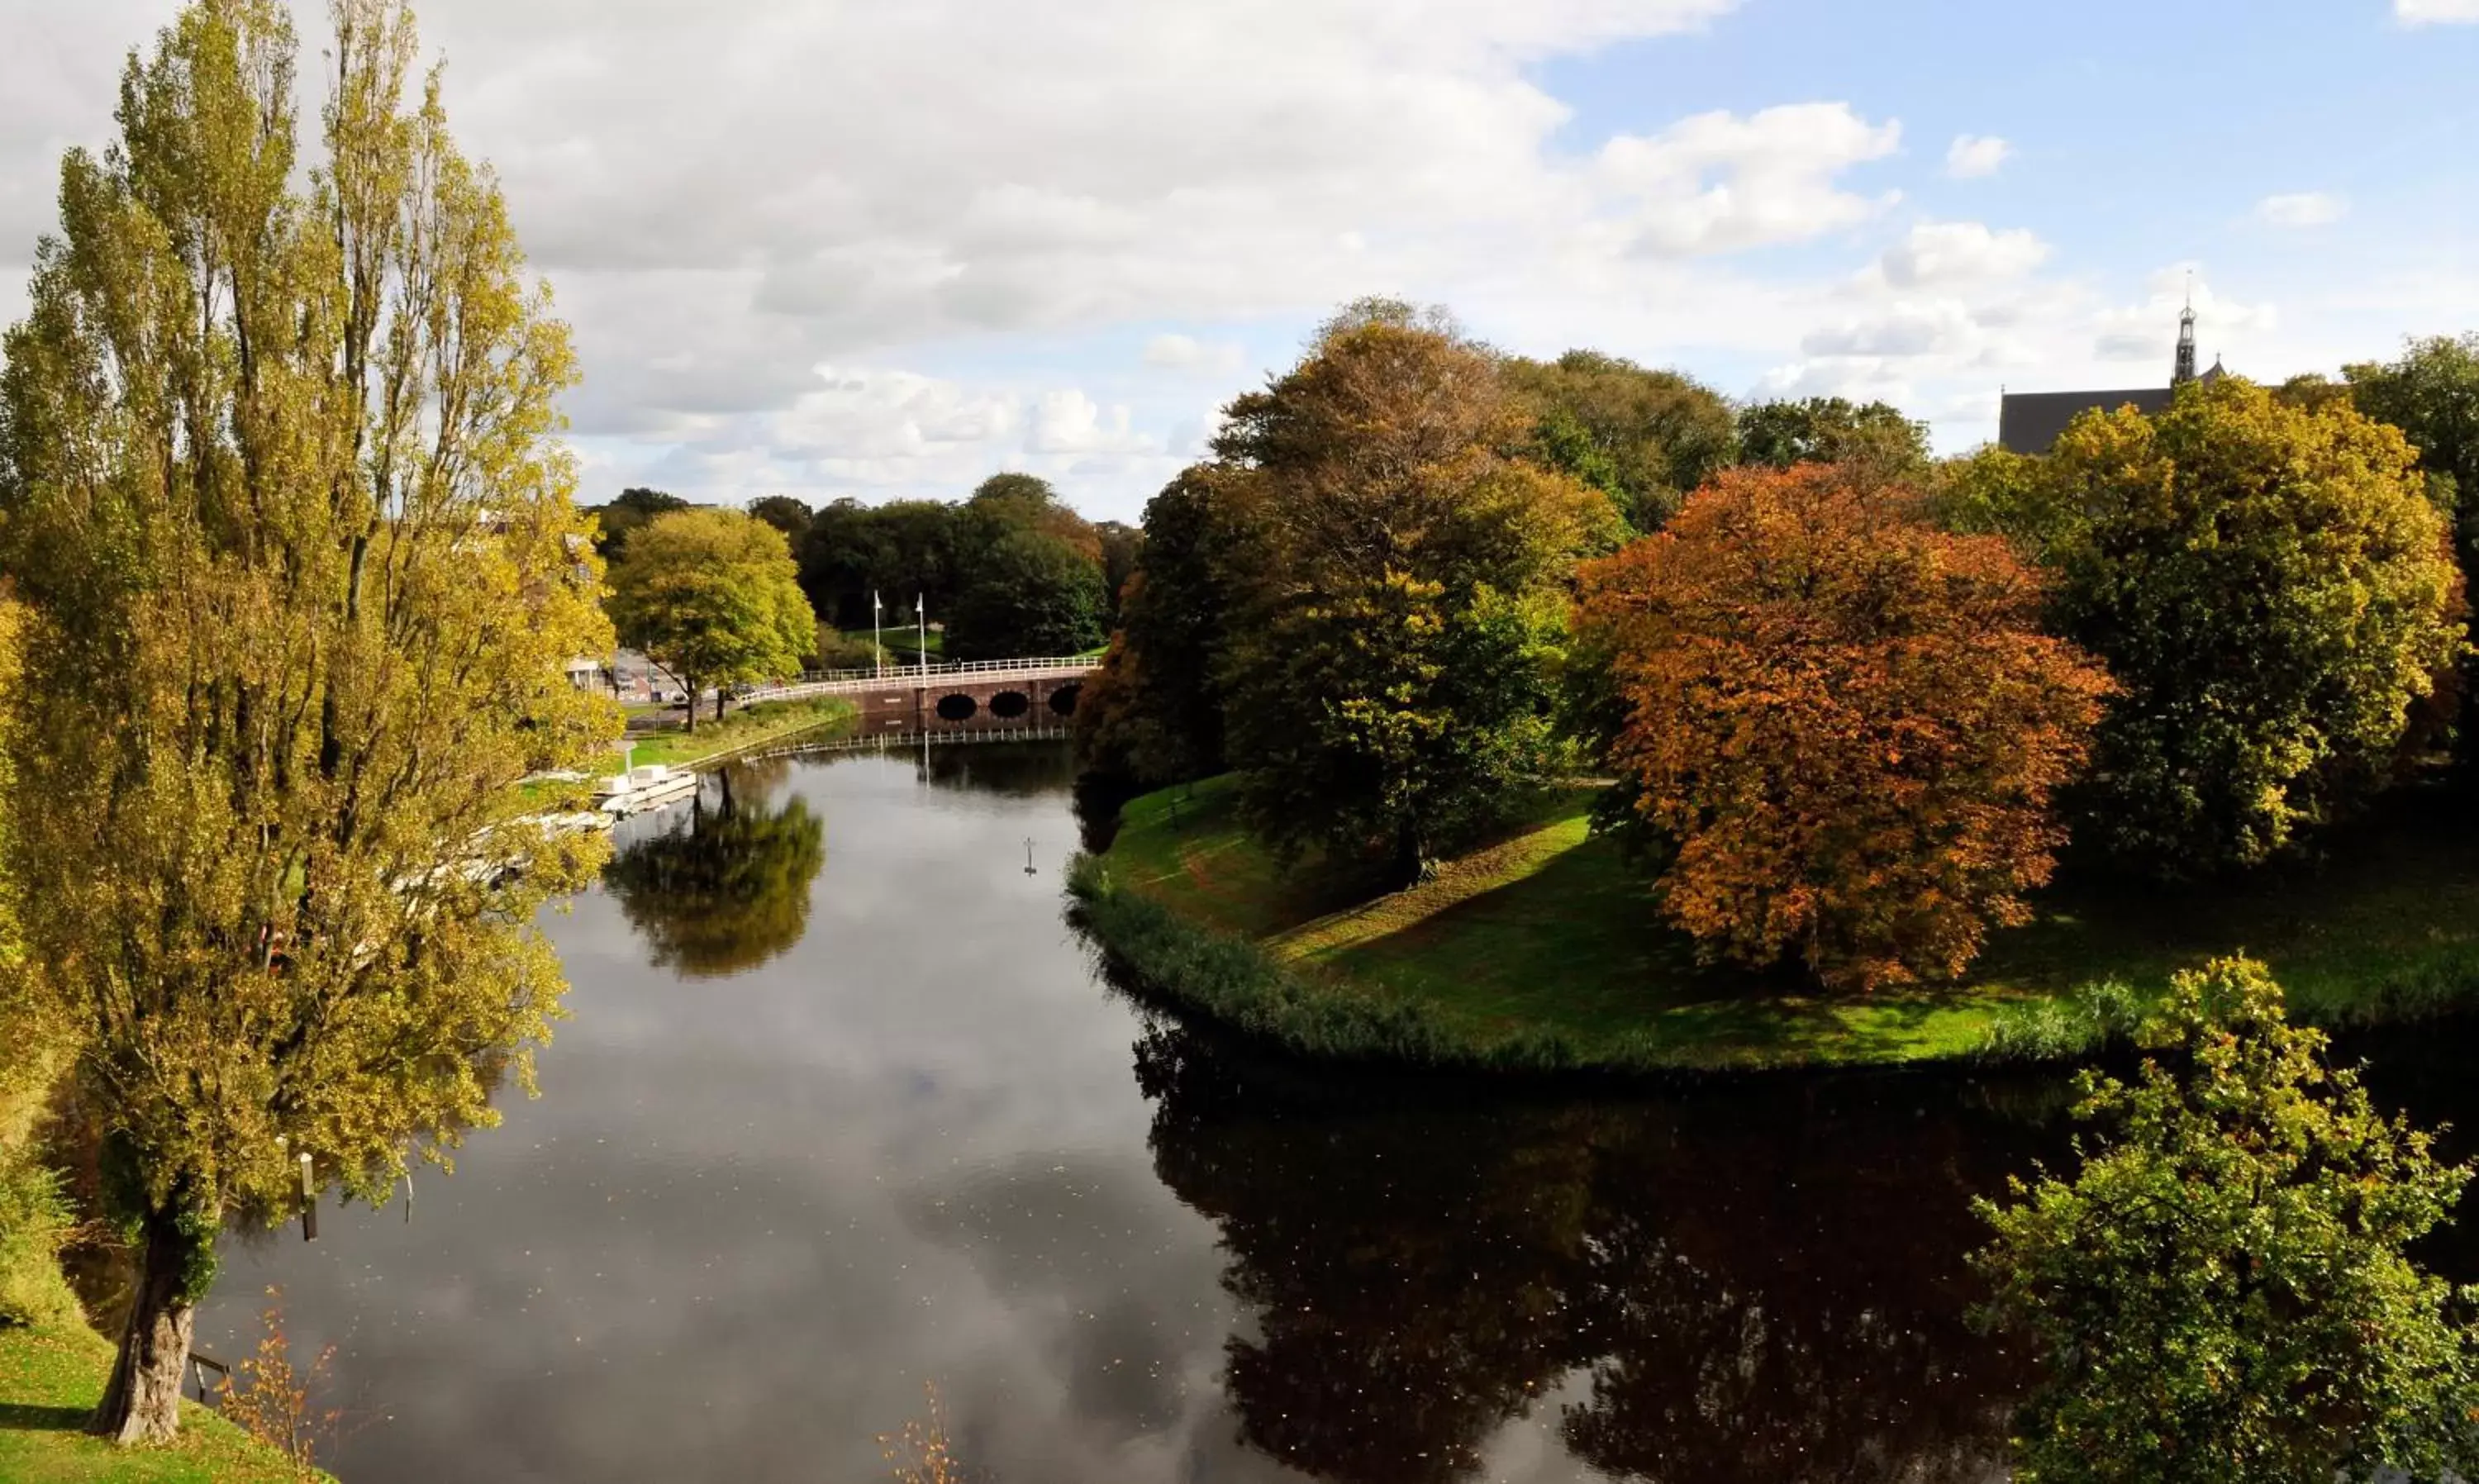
(2029, 422)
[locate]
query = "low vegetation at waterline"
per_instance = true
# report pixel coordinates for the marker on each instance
(1538, 951)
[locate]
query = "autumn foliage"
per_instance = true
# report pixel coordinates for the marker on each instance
(1845, 723)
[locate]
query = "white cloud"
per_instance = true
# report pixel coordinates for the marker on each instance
(2302, 208)
(1920, 328)
(1718, 182)
(1069, 421)
(2424, 13)
(1185, 353)
(2149, 330)
(1972, 155)
(1939, 252)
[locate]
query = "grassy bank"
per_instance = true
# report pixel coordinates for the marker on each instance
(53, 1368)
(756, 725)
(51, 1376)
(1542, 951)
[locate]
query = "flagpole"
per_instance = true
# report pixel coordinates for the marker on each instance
(921, 615)
(877, 660)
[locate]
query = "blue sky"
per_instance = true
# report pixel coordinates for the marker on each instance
(834, 248)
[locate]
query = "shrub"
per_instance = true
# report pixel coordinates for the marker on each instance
(34, 1222)
(2222, 1289)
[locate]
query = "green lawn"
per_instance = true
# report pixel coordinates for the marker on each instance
(50, 1380)
(1549, 936)
(767, 721)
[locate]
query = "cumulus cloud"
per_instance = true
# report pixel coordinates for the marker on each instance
(1069, 421)
(1936, 252)
(1972, 155)
(2302, 208)
(1718, 182)
(2426, 13)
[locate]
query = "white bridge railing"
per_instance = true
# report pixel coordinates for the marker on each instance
(829, 683)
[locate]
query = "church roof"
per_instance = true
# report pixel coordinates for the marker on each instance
(2029, 422)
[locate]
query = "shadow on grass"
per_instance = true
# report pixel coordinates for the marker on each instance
(15, 1417)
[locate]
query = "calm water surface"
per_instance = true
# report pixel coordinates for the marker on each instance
(842, 1110)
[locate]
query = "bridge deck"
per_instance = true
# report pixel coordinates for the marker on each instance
(979, 671)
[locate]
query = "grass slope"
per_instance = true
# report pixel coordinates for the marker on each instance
(50, 1380)
(1544, 950)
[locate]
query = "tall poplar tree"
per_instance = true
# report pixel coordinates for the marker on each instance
(300, 566)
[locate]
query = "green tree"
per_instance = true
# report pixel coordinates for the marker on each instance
(726, 893)
(1404, 575)
(2270, 588)
(904, 551)
(1874, 438)
(300, 566)
(1029, 594)
(791, 517)
(623, 517)
(1123, 551)
(2431, 392)
(1154, 710)
(2222, 1290)
(713, 596)
(1643, 437)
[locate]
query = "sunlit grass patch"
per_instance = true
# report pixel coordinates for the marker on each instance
(1546, 948)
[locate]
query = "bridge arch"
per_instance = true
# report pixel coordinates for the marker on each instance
(957, 707)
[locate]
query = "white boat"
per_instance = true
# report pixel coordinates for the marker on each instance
(650, 786)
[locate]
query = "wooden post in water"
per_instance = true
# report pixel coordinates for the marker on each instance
(309, 1202)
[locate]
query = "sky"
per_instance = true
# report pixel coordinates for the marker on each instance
(857, 248)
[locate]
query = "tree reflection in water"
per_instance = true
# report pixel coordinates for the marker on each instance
(1762, 1282)
(728, 888)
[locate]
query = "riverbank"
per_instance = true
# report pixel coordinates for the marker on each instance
(1543, 951)
(739, 731)
(51, 1377)
(53, 1368)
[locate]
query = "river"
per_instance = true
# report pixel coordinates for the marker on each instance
(842, 1112)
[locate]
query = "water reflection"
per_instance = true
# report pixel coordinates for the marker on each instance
(735, 1235)
(720, 889)
(1761, 1282)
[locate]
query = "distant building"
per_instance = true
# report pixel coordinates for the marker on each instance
(2029, 422)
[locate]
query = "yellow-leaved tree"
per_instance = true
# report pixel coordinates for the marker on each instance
(299, 569)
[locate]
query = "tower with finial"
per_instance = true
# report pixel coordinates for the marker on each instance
(2184, 370)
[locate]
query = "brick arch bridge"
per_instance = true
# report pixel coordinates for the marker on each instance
(979, 695)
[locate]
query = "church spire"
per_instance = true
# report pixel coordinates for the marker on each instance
(2184, 370)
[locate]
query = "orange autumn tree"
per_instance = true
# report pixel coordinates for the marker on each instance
(1845, 724)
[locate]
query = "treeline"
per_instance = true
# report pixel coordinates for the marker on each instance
(1009, 570)
(1859, 700)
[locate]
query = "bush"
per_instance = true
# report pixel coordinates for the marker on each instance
(33, 1221)
(839, 651)
(2223, 1289)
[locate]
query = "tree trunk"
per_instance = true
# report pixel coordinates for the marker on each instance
(1413, 862)
(719, 692)
(689, 694)
(142, 1402)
